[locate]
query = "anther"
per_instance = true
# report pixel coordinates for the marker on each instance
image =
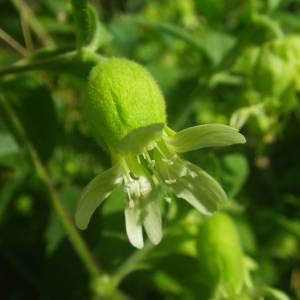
(151, 164)
(131, 204)
(193, 174)
(168, 161)
(168, 199)
(170, 181)
(133, 176)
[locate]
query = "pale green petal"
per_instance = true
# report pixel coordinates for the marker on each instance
(134, 227)
(94, 193)
(202, 136)
(152, 219)
(192, 184)
(141, 139)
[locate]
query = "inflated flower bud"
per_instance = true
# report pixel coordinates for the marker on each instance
(220, 257)
(122, 95)
(278, 66)
(126, 112)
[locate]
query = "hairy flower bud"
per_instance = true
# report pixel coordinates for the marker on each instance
(220, 257)
(278, 66)
(122, 95)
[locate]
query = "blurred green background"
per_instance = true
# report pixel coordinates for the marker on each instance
(232, 62)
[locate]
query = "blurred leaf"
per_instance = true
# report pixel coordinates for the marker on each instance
(7, 144)
(34, 106)
(274, 294)
(55, 232)
(216, 45)
(7, 192)
(89, 30)
(235, 171)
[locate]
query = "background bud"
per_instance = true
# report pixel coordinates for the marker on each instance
(220, 256)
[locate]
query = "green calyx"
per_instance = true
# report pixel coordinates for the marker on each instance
(220, 257)
(277, 67)
(122, 96)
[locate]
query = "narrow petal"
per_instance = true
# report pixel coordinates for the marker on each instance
(202, 136)
(201, 190)
(152, 219)
(134, 227)
(95, 193)
(192, 184)
(140, 139)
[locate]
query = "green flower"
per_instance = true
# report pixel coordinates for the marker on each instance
(145, 156)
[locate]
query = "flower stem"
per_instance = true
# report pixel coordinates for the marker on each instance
(51, 62)
(34, 161)
(131, 263)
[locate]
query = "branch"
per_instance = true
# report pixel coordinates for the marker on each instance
(13, 43)
(51, 62)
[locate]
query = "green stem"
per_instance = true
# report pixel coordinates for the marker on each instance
(33, 159)
(50, 62)
(131, 263)
(264, 20)
(169, 29)
(34, 23)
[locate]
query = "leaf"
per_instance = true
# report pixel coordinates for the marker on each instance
(241, 115)
(89, 30)
(203, 136)
(7, 144)
(216, 45)
(235, 171)
(35, 108)
(100, 35)
(274, 293)
(55, 232)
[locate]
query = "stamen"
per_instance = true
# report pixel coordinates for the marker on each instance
(133, 176)
(170, 181)
(168, 199)
(167, 161)
(151, 164)
(193, 174)
(183, 172)
(131, 203)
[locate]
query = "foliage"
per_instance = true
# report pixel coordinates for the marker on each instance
(230, 62)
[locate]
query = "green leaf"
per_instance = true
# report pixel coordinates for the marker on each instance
(216, 45)
(55, 232)
(203, 136)
(83, 22)
(235, 171)
(95, 193)
(140, 139)
(89, 30)
(7, 144)
(274, 293)
(241, 115)
(35, 108)
(99, 35)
